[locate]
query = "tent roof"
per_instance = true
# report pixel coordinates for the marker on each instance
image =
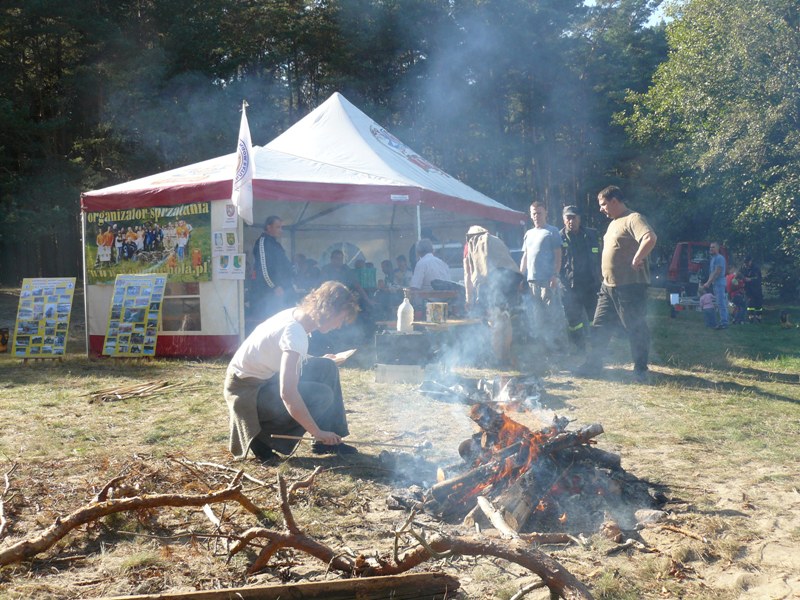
(335, 154)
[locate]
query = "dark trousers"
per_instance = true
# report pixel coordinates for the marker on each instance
(755, 303)
(622, 306)
(580, 304)
(322, 394)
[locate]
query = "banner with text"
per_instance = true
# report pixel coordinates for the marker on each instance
(159, 239)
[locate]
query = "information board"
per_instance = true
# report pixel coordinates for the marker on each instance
(45, 305)
(134, 315)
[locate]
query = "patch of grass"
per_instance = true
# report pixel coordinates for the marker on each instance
(728, 548)
(159, 434)
(485, 573)
(141, 560)
(610, 586)
(685, 553)
(506, 591)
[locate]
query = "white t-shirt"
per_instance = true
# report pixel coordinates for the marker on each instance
(260, 354)
(428, 268)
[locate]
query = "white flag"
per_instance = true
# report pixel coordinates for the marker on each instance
(242, 196)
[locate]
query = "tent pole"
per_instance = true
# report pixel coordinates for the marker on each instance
(85, 282)
(240, 287)
(419, 223)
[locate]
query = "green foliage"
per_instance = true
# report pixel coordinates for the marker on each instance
(515, 97)
(724, 111)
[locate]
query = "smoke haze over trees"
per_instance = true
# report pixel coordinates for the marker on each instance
(516, 97)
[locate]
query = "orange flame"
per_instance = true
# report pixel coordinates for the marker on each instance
(507, 434)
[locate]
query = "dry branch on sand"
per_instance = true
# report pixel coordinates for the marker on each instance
(6, 489)
(559, 580)
(96, 509)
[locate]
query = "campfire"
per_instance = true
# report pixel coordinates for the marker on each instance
(551, 478)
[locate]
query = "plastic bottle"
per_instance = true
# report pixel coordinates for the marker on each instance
(405, 316)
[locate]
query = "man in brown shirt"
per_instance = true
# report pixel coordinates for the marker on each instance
(622, 301)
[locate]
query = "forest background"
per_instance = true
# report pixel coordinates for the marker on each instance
(696, 117)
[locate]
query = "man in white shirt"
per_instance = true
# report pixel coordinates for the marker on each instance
(429, 268)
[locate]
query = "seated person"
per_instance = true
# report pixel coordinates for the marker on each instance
(336, 270)
(429, 268)
(402, 274)
(306, 273)
(366, 275)
(389, 294)
(272, 386)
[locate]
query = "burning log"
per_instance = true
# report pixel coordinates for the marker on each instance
(516, 466)
(443, 490)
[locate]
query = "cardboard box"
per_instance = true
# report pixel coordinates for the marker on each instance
(414, 374)
(392, 348)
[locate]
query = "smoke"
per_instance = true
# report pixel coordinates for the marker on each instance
(176, 121)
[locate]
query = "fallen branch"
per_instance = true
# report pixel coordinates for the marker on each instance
(304, 483)
(28, 548)
(523, 591)
(557, 578)
(102, 495)
(683, 531)
(6, 488)
(192, 463)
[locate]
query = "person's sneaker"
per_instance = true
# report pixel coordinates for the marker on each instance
(261, 451)
(320, 448)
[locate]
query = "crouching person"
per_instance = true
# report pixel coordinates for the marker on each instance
(272, 386)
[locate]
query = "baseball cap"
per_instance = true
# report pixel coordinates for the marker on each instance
(571, 210)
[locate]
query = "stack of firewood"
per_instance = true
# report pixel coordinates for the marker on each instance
(549, 480)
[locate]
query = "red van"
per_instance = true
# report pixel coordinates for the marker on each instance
(689, 267)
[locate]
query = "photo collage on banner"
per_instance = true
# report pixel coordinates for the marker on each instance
(45, 305)
(134, 315)
(175, 240)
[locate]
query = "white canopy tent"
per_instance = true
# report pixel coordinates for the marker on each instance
(335, 176)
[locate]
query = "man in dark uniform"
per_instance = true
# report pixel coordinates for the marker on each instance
(580, 274)
(751, 273)
(273, 289)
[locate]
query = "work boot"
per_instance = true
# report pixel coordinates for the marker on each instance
(641, 375)
(261, 451)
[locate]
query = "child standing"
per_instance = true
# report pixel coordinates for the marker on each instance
(708, 308)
